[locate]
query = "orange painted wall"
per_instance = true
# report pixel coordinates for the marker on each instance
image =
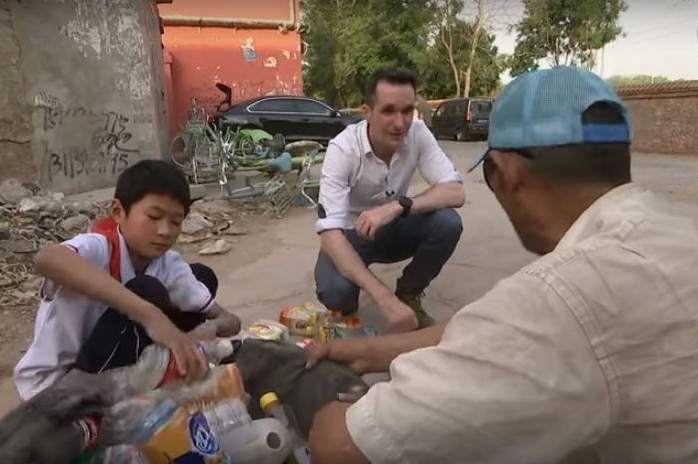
(253, 61)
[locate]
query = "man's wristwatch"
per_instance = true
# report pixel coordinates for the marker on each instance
(406, 203)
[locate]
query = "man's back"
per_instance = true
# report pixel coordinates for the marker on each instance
(630, 266)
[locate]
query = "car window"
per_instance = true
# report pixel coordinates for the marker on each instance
(447, 109)
(273, 105)
(309, 106)
(481, 107)
(441, 109)
(451, 108)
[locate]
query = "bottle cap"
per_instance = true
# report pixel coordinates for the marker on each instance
(267, 399)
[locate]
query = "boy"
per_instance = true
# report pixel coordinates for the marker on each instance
(109, 293)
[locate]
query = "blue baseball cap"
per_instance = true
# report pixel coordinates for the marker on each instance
(544, 108)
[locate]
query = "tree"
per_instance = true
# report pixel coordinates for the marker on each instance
(349, 39)
(462, 59)
(451, 36)
(474, 42)
(566, 32)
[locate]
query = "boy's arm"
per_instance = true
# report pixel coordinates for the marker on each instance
(189, 294)
(67, 268)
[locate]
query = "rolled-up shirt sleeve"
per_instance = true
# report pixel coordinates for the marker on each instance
(186, 291)
(434, 166)
(514, 379)
(335, 178)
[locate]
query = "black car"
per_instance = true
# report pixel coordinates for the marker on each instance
(296, 117)
(462, 118)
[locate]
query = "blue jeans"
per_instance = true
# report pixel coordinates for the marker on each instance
(429, 239)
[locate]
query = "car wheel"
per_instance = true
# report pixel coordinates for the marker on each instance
(461, 137)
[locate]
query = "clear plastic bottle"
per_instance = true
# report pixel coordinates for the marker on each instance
(156, 367)
(272, 407)
(164, 430)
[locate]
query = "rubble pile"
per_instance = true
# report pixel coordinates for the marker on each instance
(30, 218)
(210, 224)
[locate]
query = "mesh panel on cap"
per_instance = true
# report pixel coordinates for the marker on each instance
(544, 108)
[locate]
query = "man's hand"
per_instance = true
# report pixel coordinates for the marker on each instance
(368, 222)
(347, 352)
(191, 361)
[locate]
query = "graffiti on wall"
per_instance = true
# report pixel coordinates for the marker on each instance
(83, 142)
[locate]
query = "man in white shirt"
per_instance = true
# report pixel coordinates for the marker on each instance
(588, 354)
(365, 215)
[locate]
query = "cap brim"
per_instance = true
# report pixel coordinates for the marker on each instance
(479, 161)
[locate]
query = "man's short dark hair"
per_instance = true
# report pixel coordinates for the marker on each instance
(390, 74)
(601, 163)
(152, 177)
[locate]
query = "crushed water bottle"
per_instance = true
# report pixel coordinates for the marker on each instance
(156, 367)
(223, 432)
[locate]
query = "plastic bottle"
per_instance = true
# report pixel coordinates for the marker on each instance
(264, 441)
(272, 407)
(86, 432)
(223, 432)
(169, 433)
(156, 367)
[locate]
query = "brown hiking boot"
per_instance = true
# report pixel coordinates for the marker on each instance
(414, 301)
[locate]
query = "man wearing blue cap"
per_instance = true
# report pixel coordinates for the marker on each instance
(588, 354)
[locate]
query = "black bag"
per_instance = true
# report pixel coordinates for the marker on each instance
(279, 367)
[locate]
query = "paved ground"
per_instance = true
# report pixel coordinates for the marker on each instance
(272, 266)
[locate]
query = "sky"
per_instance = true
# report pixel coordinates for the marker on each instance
(661, 37)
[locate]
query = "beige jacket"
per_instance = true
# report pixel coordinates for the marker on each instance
(593, 346)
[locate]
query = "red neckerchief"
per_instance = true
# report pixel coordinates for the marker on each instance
(108, 227)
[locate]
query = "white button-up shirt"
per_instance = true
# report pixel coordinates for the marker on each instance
(353, 179)
(593, 346)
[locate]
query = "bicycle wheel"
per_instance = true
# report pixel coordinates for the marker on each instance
(179, 150)
(244, 145)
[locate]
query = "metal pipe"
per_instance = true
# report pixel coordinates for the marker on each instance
(185, 20)
(181, 20)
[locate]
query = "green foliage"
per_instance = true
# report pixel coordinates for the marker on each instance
(440, 81)
(566, 32)
(349, 39)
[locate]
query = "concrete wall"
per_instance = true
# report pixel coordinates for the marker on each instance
(254, 47)
(15, 113)
(664, 117)
(85, 89)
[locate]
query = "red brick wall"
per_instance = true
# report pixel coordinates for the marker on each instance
(252, 46)
(664, 117)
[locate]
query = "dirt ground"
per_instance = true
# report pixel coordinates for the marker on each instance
(271, 265)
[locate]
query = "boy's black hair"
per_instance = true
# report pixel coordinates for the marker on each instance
(152, 176)
(391, 74)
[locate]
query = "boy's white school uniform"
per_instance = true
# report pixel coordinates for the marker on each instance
(65, 319)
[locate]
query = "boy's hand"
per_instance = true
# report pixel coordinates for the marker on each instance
(227, 323)
(191, 361)
(204, 331)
